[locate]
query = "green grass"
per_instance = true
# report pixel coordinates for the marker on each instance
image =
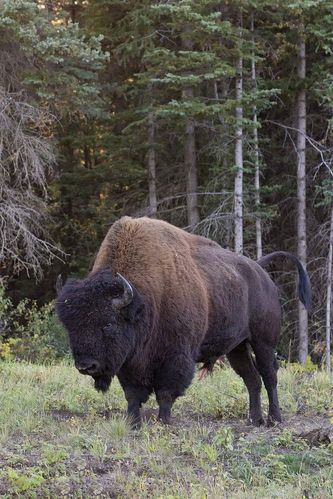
(59, 437)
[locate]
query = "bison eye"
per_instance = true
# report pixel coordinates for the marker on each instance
(110, 327)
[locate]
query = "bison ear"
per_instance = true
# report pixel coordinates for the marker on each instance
(59, 284)
(134, 311)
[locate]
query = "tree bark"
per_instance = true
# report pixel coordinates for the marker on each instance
(329, 297)
(329, 283)
(238, 194)
(193, 216)
(151, 163)
(301, 190)
(256, 151)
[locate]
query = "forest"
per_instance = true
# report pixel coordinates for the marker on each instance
(214, 116)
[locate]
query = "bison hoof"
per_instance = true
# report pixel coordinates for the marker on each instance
(135, 425)
(165, 420)
(258, 422)
(134, 421)
(273, 420)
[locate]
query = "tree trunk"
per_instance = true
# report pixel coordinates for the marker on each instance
(256, 151)
(151, 163)
(329, 297)
(238, 194)
(329, 283)
(190, 153)
(301, 191)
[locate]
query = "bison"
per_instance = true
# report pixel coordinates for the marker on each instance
(158, 300)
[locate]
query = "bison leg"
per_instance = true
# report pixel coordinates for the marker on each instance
(165, 400)
(135, 396)
(267, 366)
(171, 381)
(241, 361)
(133, 413)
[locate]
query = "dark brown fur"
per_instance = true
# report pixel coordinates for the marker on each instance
(194, 301)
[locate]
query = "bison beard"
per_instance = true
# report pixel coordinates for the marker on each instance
(102, 383)
(183, 300)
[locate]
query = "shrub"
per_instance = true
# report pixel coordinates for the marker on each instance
(29, 332)
(307, 367)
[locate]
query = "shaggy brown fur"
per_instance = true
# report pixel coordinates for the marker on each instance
(193, 302)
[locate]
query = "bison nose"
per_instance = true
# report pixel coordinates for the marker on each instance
(88, 367)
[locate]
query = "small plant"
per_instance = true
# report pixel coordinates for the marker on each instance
(21, 482)
(52, 455)
(284, 439)
(7, 349)
(275, 467)
(307, 367)
(211, 452)
(287, 439)
(224, 438)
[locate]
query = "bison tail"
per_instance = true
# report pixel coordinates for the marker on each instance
(304, 286)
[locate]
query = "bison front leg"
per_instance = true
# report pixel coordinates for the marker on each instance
(165, 401)
(171, 381)
(135, 396)
(133, 413)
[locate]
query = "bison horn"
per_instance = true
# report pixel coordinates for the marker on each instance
(127, 296)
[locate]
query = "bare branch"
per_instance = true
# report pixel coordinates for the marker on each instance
(26, 163)
(325, 153)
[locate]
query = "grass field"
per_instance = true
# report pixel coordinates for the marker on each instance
(59, 437)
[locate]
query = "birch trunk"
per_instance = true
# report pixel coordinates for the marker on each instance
(238, 194)
(190, 154)
(329, 298)
(151, 160)
(191, 175)
(329, 285)
(256, 152)
(301, 191)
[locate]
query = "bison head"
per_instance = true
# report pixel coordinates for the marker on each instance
(100, 315)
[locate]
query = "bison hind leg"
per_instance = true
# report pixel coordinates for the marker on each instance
(241, 361)
(268, 366)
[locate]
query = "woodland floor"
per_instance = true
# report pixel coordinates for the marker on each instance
(59, 438)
